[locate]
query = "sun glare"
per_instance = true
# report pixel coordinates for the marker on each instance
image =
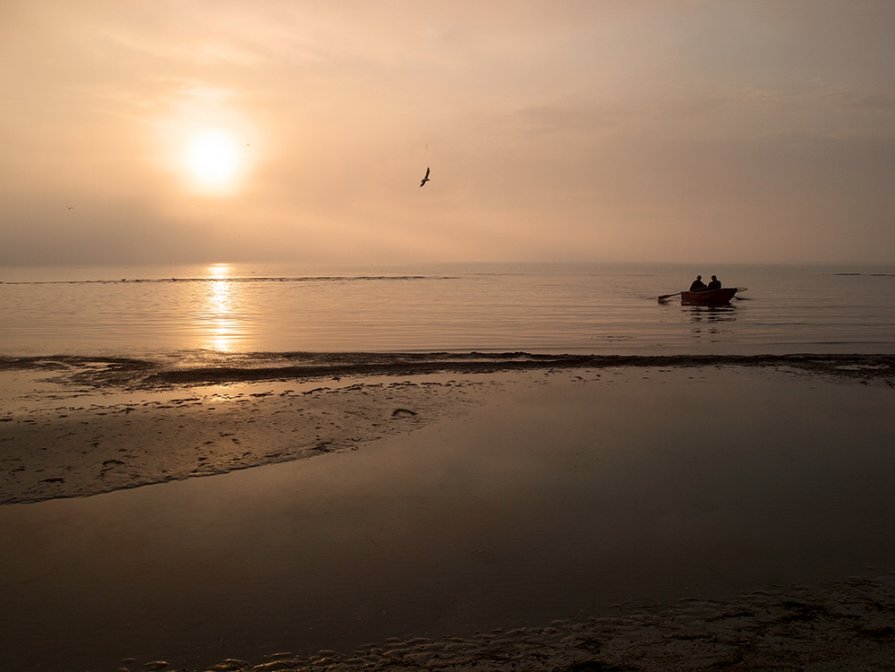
(213, 159)
(222, 325)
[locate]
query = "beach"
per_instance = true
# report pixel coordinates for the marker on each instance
(447, 337)
(458, 512)
(75, 426)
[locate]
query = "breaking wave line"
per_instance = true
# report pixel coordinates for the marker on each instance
(206, 367)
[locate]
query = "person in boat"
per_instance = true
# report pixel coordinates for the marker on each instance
(714, 284)
(698, 285)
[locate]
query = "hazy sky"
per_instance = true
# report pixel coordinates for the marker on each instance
(665, 130)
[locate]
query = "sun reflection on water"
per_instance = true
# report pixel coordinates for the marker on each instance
(223, 325)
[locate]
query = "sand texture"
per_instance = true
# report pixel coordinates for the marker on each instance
(65, 446)
(842, 626)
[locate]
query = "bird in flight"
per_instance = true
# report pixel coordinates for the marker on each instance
(425, 178)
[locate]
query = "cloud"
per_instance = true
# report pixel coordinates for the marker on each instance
(551, 127)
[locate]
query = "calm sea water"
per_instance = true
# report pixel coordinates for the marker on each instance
(599, 309)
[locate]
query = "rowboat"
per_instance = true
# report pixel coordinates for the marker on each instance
(709, 297)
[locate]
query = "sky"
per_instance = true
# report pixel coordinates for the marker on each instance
(173, 131)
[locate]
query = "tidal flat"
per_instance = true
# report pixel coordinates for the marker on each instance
(630, 517)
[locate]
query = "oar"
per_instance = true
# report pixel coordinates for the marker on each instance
(667, 296)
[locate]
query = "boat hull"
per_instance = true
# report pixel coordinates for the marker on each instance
(712, 297)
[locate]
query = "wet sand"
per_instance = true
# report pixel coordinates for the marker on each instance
(59, 444)
(76, 426)
(698, 517)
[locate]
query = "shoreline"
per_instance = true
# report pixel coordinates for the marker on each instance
(80, 426)
(208, 368)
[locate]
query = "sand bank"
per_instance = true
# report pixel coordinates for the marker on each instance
(76, 446)
(76, 426)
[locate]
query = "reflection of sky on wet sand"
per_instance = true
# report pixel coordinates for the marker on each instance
(554, 500)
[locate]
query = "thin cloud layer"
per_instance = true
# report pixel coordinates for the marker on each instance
(644, 131)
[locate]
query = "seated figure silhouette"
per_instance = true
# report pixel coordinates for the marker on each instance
(714, 284)
(698, 285)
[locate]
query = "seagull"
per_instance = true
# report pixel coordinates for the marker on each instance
(425, 178)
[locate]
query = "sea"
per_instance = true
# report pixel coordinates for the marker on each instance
(245, 309)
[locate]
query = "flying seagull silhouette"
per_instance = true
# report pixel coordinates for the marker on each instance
(425, 178)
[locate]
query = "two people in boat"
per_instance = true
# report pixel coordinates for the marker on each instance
(699, 286)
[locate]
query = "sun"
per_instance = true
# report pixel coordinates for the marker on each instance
(213, 159)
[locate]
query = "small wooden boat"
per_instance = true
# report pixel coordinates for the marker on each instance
(709, 297)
